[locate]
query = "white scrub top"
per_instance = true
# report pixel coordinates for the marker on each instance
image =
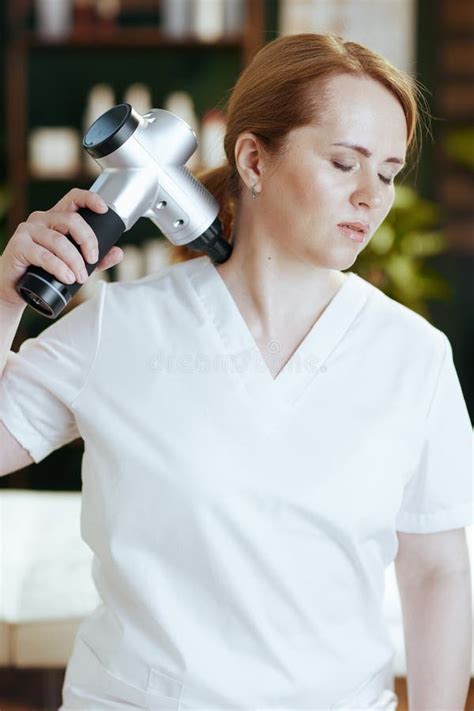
(241, 525)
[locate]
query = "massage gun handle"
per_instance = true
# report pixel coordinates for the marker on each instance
(107, 227)
(44, 292)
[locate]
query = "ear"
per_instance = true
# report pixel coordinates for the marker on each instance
(249, 158)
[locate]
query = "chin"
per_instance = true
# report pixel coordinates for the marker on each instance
(337, 259)
(347, 263)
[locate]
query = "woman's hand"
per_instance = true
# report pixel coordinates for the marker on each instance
(41, 241)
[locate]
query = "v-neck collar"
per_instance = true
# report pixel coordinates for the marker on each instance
(308, 361)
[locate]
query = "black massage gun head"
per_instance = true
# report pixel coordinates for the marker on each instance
(213, 243)
(111, 130)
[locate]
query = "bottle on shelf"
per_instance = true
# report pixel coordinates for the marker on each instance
(101, 98)
(54, 152)
(208, 20)
(212, 139)
(181, 104)
(138, 95)
(53, 18)
(176, 17)
(107, 12)
(234, 15)
(156, 254)
(297, 16)
(132, 265)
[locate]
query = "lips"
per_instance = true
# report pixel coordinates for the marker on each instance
(356, 235)
(358, 226)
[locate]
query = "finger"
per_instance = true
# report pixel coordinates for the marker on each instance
(58, 244)
(41, 257)
(73, 224)
(77, 198)
(114, 256)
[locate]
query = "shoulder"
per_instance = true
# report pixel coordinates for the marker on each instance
(167, 274)
(397, 324)
(169, 281)
(401, 341)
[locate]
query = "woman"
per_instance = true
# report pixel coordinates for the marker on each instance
(259, 436)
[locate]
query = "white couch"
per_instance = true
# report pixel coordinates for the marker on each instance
(46, 587)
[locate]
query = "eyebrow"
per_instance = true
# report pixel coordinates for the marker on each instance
(365, 152)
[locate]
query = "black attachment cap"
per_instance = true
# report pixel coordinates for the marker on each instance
(213, 243)
(111, 130)
(45, 294)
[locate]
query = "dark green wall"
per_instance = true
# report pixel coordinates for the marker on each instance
(454, 317)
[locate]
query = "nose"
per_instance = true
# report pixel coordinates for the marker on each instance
(368, 193)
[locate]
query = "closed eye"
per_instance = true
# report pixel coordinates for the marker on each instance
(346, 168)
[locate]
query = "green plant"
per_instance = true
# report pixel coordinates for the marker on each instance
(459, 145)
(394, 259)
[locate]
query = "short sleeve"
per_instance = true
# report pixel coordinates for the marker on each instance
(40, 383)
(438, 497)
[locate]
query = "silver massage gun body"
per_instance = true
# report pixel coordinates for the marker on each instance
(143, 175)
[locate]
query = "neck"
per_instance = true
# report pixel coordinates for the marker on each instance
(270, 283)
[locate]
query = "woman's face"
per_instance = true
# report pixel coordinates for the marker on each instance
(316, 184)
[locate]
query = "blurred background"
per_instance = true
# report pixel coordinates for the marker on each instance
(65, 62)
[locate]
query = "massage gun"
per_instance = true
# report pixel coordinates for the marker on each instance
(143, 175)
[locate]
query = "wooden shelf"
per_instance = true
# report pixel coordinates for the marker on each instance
(81, 176)
(23, 45)
(124, 38)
